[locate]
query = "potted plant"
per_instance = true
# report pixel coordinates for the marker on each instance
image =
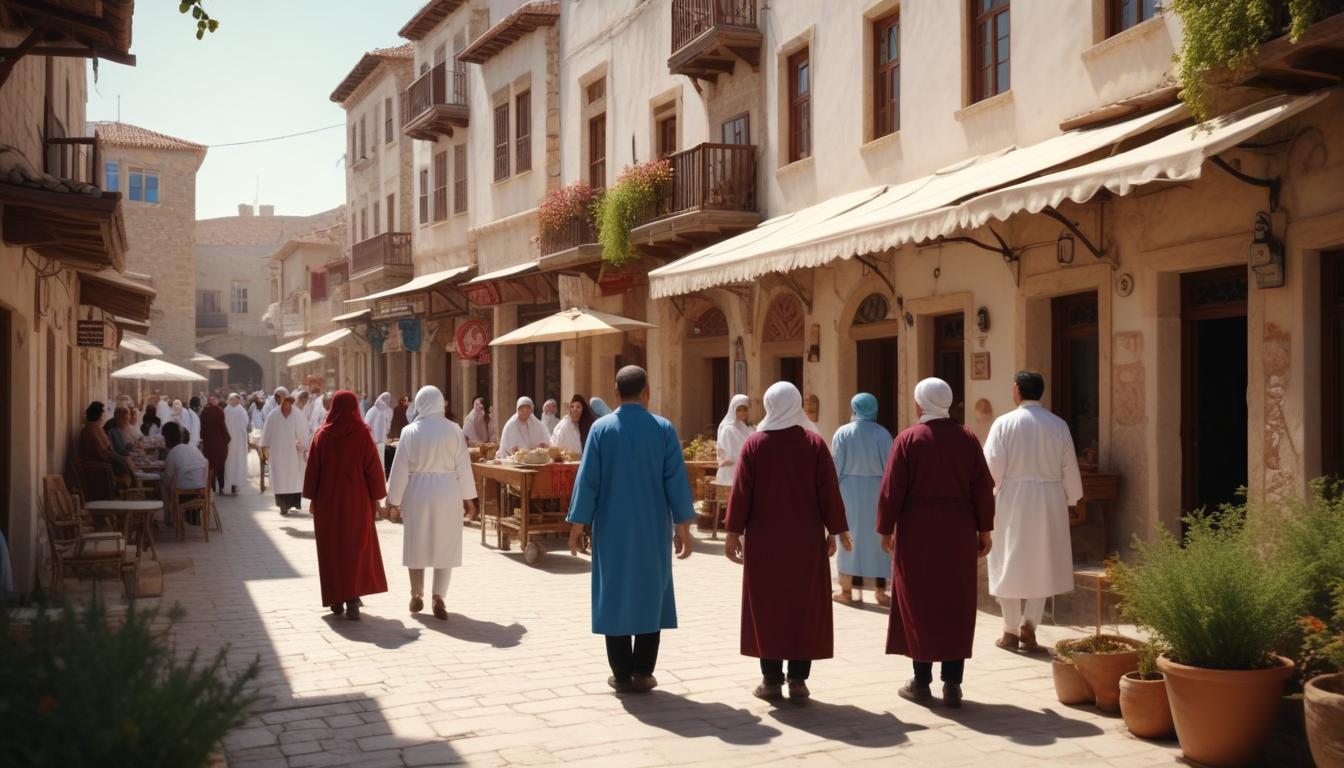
(631, 202)
(564, 214)
(1219, 605)
(1143, 698)
(1102, 660)
(1070, 687)
(1322, 662)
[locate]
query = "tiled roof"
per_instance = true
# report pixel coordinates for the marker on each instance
(367, 64)
(510, 29)
(115, 134)
(428, 17)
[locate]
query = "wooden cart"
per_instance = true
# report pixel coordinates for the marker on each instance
(524, 501)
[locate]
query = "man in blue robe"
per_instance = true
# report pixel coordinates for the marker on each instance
(632, 490)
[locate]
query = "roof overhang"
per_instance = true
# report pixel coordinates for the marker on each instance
(98, 29)
(128, 325)
(420, 284)
(367, 65)
(427, 18)
(113, 293)
(82, 231)
(512, 28)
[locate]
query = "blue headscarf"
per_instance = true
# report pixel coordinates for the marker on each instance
(863, 407)
(599, 407)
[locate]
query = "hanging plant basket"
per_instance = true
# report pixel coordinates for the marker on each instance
(630, 203)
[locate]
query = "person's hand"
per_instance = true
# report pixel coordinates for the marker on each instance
(470, 506)
(681, 542)
(732, 548)
(575, 537)
(394, 513)
(846, 542)
(830, 546)
(986, 544)
(887, 545)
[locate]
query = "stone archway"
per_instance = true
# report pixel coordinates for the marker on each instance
(706, 381)
(244, 374)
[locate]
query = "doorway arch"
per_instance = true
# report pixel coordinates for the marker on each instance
(706, 382)
(244, 374)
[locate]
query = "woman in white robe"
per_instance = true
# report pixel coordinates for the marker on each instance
(379, 419)
(477, 425)
(733, 434)
(572, 431)
(188, 420)
(235, 467)
(523, 431)
(430, 487)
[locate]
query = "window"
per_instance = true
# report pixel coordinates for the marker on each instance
(989, 48)
(887, 75)
(353, 230)
(377, 221)
(391, 212)
(424, 195)
(502, 141)
(238, 299)
(1123, 14)
(363, 224)
(597, 90)
(522, 119)
(460, 178)
(440, 186)
(354, 144)
(111, 182)
(363, 146)
(667, 135)
(736, 130)
(387, 120)
(800, 106)
(208, 302)
(144, 185)
(597, 151)
(317, 285)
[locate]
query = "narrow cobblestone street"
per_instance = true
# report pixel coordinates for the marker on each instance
(514, 677)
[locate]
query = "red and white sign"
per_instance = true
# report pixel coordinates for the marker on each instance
(471, 339)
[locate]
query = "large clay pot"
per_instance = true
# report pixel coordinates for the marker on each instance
(1144, 705)
(1070, 687)
(1324, 703)
(1224, 717)
(1103, 671)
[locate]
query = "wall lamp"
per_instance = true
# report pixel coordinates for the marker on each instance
(1266, 255)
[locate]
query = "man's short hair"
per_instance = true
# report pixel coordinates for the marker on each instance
(631, 381)
(94, 412)
(1030, 383)
(172, 434)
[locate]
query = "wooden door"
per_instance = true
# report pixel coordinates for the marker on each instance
(877, 375)
(6, 411)
(1075, 387)
(1332, 364)
(949, 359)
(721, 391)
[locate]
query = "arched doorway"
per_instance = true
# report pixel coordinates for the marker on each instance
(706, 382)
(877, 359)
(782, 341)
(244, 374)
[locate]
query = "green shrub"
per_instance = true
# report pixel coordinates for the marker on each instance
(628, 204)
(77, 691)
(1322, 643)
(1308, 535)
(1220, 601)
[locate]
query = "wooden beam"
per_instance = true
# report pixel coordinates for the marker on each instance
(76, 23)
(12, 55)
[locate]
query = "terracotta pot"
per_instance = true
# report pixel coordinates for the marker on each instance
(1143, 704)
(1224, 717)
(1103, 671)
(1324, 697)
(1070, 687)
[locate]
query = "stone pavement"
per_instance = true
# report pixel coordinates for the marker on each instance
(514, 677)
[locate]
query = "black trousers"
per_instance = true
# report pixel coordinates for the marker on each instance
(859, 581)
(632, 655)
(773, 670)
(217, 479)
(952, 671)
(287, 501)
(389, 453)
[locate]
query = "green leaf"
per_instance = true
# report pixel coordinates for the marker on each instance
(213, 25)
(183, 7)
(200, 33)
(196, 11)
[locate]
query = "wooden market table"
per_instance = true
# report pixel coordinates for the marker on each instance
(530, 484)
(135, 520)
(1099, 490)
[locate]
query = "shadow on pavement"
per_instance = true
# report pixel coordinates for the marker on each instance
(474, 630)
(1017, 724)
(557, 561)
(298, 533)
(689, 718)
(845, 723)
(383, 633)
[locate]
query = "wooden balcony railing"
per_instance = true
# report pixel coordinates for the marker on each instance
(211, 320)
(577, 232)
(73, 157)
(390, 249)
(692, 18)
(434, 102)
(709, 177)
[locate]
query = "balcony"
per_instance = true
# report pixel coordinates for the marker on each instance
(72, 157)
(211, 322)
(385, 255)
(712, 195)
(1315, 60)
(435, 103)
(710, 36)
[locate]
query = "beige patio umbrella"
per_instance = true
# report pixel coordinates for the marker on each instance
(573, 323)
(156, 370)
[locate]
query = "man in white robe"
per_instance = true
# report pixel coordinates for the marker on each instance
(1030, 455)
(379, 419)
(550, 416)
(235, 466)
(280, 394)
(285, 439)
(317, 413)
(523, 431)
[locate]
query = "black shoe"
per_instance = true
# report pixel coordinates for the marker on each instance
(352, 610)
(619, 686)
(643, 683)
(337, 609)
(952, 695)
(916, 691)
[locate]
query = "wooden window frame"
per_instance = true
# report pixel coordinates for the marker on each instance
(363, 224)
(440, 179)
(363, 136)
(597, 151)
(424, 195)
(501, 117)
(596, 90)
(980, 88)
(389, 123)
(522, 119)
(460, 178)
(377, 218)
(391, 212)
(238, 298)
(800, 106)
(886, 108)
(1115, 22)
(667, 134)
(745, 117)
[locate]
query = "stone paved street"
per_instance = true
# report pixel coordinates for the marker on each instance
(515, 678)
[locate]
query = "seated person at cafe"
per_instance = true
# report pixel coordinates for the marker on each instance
(523, 431)
(120, 433)
(186, 467)
(95, 447)
(572, 431)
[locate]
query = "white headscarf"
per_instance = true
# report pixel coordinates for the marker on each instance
(783, 408)
(550, 420)
(525, 401)
(730, 418)
(177, 411)
(429, 403)
(934, 397)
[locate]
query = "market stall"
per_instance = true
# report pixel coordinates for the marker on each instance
(524, 501)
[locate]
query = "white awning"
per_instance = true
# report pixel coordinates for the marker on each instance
(328, 339)
(512, 271)
(139, 345)
(415, 285)
(350, 316)
(304, 357)
(857, 222)
(202, 360)
(289, 346)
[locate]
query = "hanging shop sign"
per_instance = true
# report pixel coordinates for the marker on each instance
(471, 339)
(96, 334)
(403, 336)
(483, 294)
(399, 307)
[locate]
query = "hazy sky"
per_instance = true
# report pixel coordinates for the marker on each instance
(266, 72)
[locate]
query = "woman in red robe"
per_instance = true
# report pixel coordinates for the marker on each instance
(935, 512)
(215, 441)
(786, 503)
(344, 480)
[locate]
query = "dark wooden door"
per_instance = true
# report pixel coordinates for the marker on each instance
(1332, 364)
(1214, 381)
(791, 370)
(1076, 372)
(6, 404)
(877, 361)
(949, 359)
(721, 388)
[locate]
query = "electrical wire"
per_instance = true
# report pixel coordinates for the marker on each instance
(277, 138)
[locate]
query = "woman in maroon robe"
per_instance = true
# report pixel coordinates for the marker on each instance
(935, 513)
(215, 441)
(344, 480)
(786, 503)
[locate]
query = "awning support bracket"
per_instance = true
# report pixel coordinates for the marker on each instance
(869, 263)
(1098, 253)
(1010, 257)
(1270, 184)
(797, 289)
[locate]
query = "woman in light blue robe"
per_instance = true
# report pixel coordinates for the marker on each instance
(599, 407)
(861, 448)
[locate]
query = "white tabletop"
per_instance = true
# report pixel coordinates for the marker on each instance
(114, 505)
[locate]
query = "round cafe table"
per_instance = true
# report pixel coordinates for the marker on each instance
(133, 518)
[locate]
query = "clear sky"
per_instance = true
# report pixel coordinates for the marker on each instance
(267, 71)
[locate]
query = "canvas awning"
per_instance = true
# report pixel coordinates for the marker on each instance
(202, 360)
(289, 346)
(416, 285)
(304, 357)
(327, 339)
(113, 293)
(349, 317)
(140, 346)
(515, 270)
